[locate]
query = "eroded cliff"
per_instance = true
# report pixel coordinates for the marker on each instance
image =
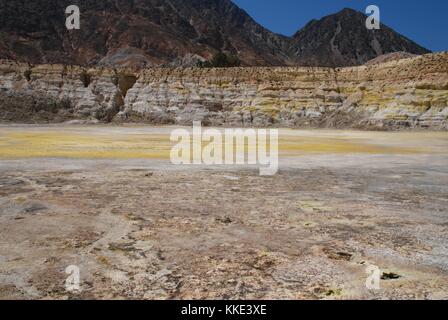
(409, 93)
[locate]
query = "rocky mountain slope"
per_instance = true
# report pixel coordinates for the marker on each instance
(342, 39)
(139, 33)
(134, 32)
(408, 93)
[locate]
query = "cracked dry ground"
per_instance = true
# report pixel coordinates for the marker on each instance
(302, 234)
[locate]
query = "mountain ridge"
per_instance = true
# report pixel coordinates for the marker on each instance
(142, 33)
(341, 39)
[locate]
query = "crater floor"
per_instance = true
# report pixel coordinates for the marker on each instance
(107, 200)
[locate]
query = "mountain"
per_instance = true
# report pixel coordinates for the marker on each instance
(141, 33)
(342, 39)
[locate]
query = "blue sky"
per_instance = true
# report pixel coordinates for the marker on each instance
(424, 21)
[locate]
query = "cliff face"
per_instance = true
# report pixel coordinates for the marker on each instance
(397, 94)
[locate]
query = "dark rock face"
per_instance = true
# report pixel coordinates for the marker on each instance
(139, 33)
(29, 108)
(134, 32)
(342, 39)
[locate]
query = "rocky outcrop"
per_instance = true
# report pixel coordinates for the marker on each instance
(390, 57)
(55, 93)
(408, 93)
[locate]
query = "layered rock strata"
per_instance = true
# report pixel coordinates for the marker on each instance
(409, 93)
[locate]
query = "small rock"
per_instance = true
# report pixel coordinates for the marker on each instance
(390, 276)
(225, 220)
(35, 207)
(337, 255)
(231, 178)
(333, 292)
